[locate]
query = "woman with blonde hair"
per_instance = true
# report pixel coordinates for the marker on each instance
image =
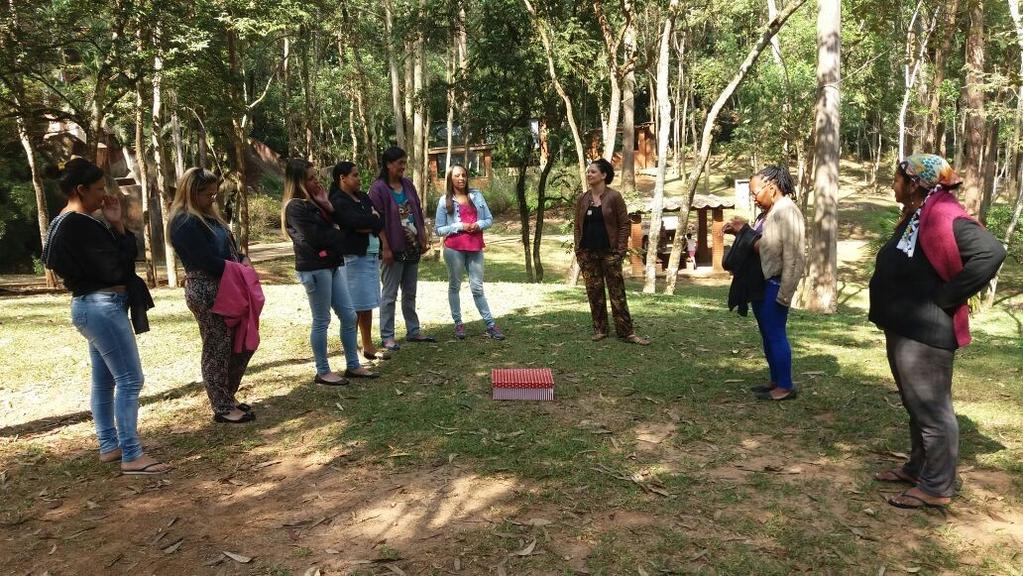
(306, 216)
(462, 216)
(205, 245)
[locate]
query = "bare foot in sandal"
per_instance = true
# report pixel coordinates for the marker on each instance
(894, 475)
(112, 456)
(917, 498)
(144, 466)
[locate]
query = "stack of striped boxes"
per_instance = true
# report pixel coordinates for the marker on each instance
(522, 383)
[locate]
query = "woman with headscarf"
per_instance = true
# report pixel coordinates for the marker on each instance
(938, 257)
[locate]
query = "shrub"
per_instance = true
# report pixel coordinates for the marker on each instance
(265, 218)
(998, 218)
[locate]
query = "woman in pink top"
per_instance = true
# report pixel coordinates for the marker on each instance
(462, 216)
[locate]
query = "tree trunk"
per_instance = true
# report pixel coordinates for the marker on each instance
(450, 126)
(973, 148)
(910, 70)
(142, 178)
(418, 117)
(546, 164)
(678, 120)
(307, 96)
(570, 114)
(520, 196)
(392, 68)
(990, 162)
(933, 121)
(238, 141)
(179, 148)
(708, 135)
(163, 187)
(821, 290)
(628, 180)
(42, 210)
(289, 118)
(657, 206)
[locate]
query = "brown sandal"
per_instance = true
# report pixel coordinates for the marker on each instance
(636, 339)
(598, 337)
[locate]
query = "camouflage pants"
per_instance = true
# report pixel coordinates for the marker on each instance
(600, 268)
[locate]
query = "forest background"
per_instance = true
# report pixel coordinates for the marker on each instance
(548, 85)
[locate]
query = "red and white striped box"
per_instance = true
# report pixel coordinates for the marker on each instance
(522, 383)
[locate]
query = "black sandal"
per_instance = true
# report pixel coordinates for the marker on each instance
(354, 374)
(248, 417)
(244, 407)
(792, 395)
(922, 503)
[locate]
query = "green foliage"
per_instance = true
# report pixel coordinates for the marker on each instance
(265, 218)
(998, 218)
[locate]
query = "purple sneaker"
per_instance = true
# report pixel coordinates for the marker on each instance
(460, 331)
(495, 332)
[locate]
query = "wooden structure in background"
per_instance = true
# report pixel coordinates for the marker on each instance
(710, 237)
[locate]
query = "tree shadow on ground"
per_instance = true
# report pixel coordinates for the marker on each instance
(422, 466)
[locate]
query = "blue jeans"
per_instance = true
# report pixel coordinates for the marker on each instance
(771, 320)
(471, 262)
(328, 289)
(102, 317)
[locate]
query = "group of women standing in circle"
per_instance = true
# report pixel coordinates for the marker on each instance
(355, 251)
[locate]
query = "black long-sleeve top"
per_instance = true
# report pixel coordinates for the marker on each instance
(353, 216)
(909, 298)
(87, 255)
(203, 244)
(316, 239)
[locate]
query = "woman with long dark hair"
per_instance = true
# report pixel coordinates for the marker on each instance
(402, 243)
(307, 218)
(937, 258)
(360, 243)
(203, 241)
(601, 242)
(462, 216)
(96, 260)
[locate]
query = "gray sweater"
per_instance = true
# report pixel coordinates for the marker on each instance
(783, 246)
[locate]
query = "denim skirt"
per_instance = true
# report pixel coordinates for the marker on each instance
(363, 276)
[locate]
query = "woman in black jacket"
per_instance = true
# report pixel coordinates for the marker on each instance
(360, 243)
(306, 216)
(96, 260)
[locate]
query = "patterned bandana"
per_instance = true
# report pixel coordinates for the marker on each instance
(931, 173)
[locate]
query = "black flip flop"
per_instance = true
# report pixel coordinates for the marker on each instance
(767, 396)
(244, 407)
(354, 374)
(145, 470)
(420, 338)
(761, 388)
(922, 503)
(341, 382)
(248, 417)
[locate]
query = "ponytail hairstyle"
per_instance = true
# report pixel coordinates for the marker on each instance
(780, 177)
(449, 186)
(78, 172)
(341, 169)
(392, 154)
(187, 191)
(294, 185)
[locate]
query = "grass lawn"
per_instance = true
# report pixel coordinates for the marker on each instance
(651, 461)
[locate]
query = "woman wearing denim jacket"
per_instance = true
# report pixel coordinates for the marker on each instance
(462, 216)
(97, 263)
(307, 218)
